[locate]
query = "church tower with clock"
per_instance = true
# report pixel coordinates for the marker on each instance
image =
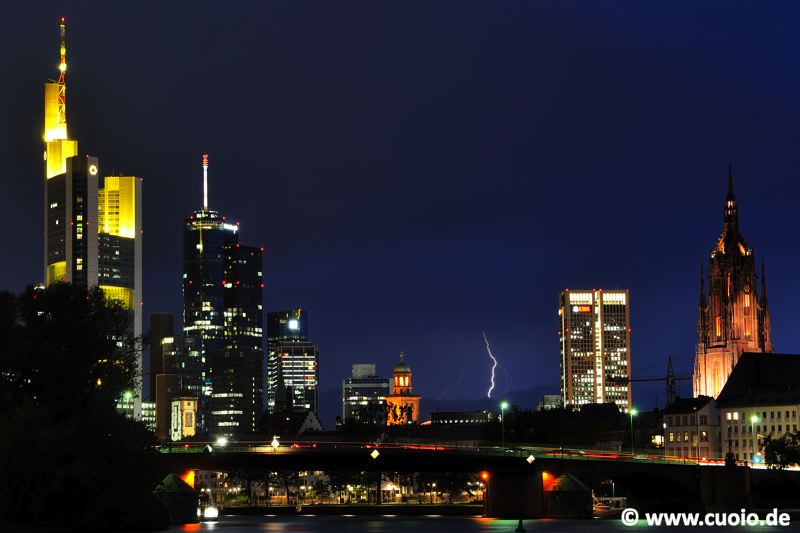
(732, 317)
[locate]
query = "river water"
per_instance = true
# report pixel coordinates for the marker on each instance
(420, 524)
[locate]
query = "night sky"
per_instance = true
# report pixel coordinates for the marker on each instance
(421, 171)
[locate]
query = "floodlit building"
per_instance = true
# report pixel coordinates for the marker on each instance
(760, 399)
(92, 224)
(595, 347)
(184, 418)
(363, 392)
(402, 405)
(732, 318)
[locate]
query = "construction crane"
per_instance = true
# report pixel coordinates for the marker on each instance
(671, 380)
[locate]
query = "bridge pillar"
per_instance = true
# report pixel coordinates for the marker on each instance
(514, 495)
(725, 489)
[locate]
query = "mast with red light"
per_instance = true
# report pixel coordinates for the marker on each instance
(62, 77)
(205, 182)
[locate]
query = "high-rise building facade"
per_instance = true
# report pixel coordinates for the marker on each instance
(292, 361)
(732, 318)
(162, 325)
(595, 347)
(71, 238)
(92, 225)
(206, 234)
(363, 392)
(223, 307)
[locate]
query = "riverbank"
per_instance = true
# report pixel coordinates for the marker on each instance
(389, 509)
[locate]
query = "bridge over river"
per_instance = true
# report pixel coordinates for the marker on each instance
(517, 476)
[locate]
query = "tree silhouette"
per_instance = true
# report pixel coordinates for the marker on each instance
(67, 457)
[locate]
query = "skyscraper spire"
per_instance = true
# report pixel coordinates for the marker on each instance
(731, 211)
(205, 182)
(62, 77)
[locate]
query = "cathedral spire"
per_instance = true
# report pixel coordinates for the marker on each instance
(731, 211)
(763, 284)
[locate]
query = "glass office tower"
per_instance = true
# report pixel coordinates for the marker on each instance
(595, 341)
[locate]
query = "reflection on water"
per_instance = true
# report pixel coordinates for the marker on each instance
(416, 524)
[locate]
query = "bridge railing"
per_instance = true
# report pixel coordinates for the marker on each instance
(349, 447)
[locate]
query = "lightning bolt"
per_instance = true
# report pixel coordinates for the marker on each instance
(494, 365)
(460, 379)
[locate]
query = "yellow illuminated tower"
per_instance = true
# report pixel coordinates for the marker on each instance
(58, 147)
(92, 225)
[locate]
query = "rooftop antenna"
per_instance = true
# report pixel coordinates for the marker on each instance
(62, 82)
(205, 182)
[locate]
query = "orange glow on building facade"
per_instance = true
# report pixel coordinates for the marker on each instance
(402, 405)
(731, 317)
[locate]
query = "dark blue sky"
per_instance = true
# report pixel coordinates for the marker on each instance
(421, 171)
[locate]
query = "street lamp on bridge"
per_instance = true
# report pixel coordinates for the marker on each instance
(633, 412)
(503, 407)
(753, 435)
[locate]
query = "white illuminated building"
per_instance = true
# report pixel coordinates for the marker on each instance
(595, 340)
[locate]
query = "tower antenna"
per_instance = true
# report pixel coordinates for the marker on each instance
(205, 182)
(62, 81)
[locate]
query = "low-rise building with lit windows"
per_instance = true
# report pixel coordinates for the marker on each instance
(692, 429)
(760, 399)
(462, 418)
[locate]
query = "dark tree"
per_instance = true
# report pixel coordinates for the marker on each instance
(783, 451)
(67, 457)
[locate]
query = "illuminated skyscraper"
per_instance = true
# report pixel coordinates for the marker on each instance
(595, 341)
(222, 305)
(731, 317)
(71, 240)
(58, 145)
(292, 358)
(92, 227)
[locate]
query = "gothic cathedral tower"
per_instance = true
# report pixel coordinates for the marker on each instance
(731, 318)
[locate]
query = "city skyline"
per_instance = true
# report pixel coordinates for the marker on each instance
(421, 259)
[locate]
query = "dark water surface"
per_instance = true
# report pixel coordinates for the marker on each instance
(380, 524)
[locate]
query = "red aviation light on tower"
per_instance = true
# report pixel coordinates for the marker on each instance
(205, 182)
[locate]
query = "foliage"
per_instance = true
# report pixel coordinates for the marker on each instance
(783, 451)
(398, 413)
(450, 483)
(369, 421)
(67, 457)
